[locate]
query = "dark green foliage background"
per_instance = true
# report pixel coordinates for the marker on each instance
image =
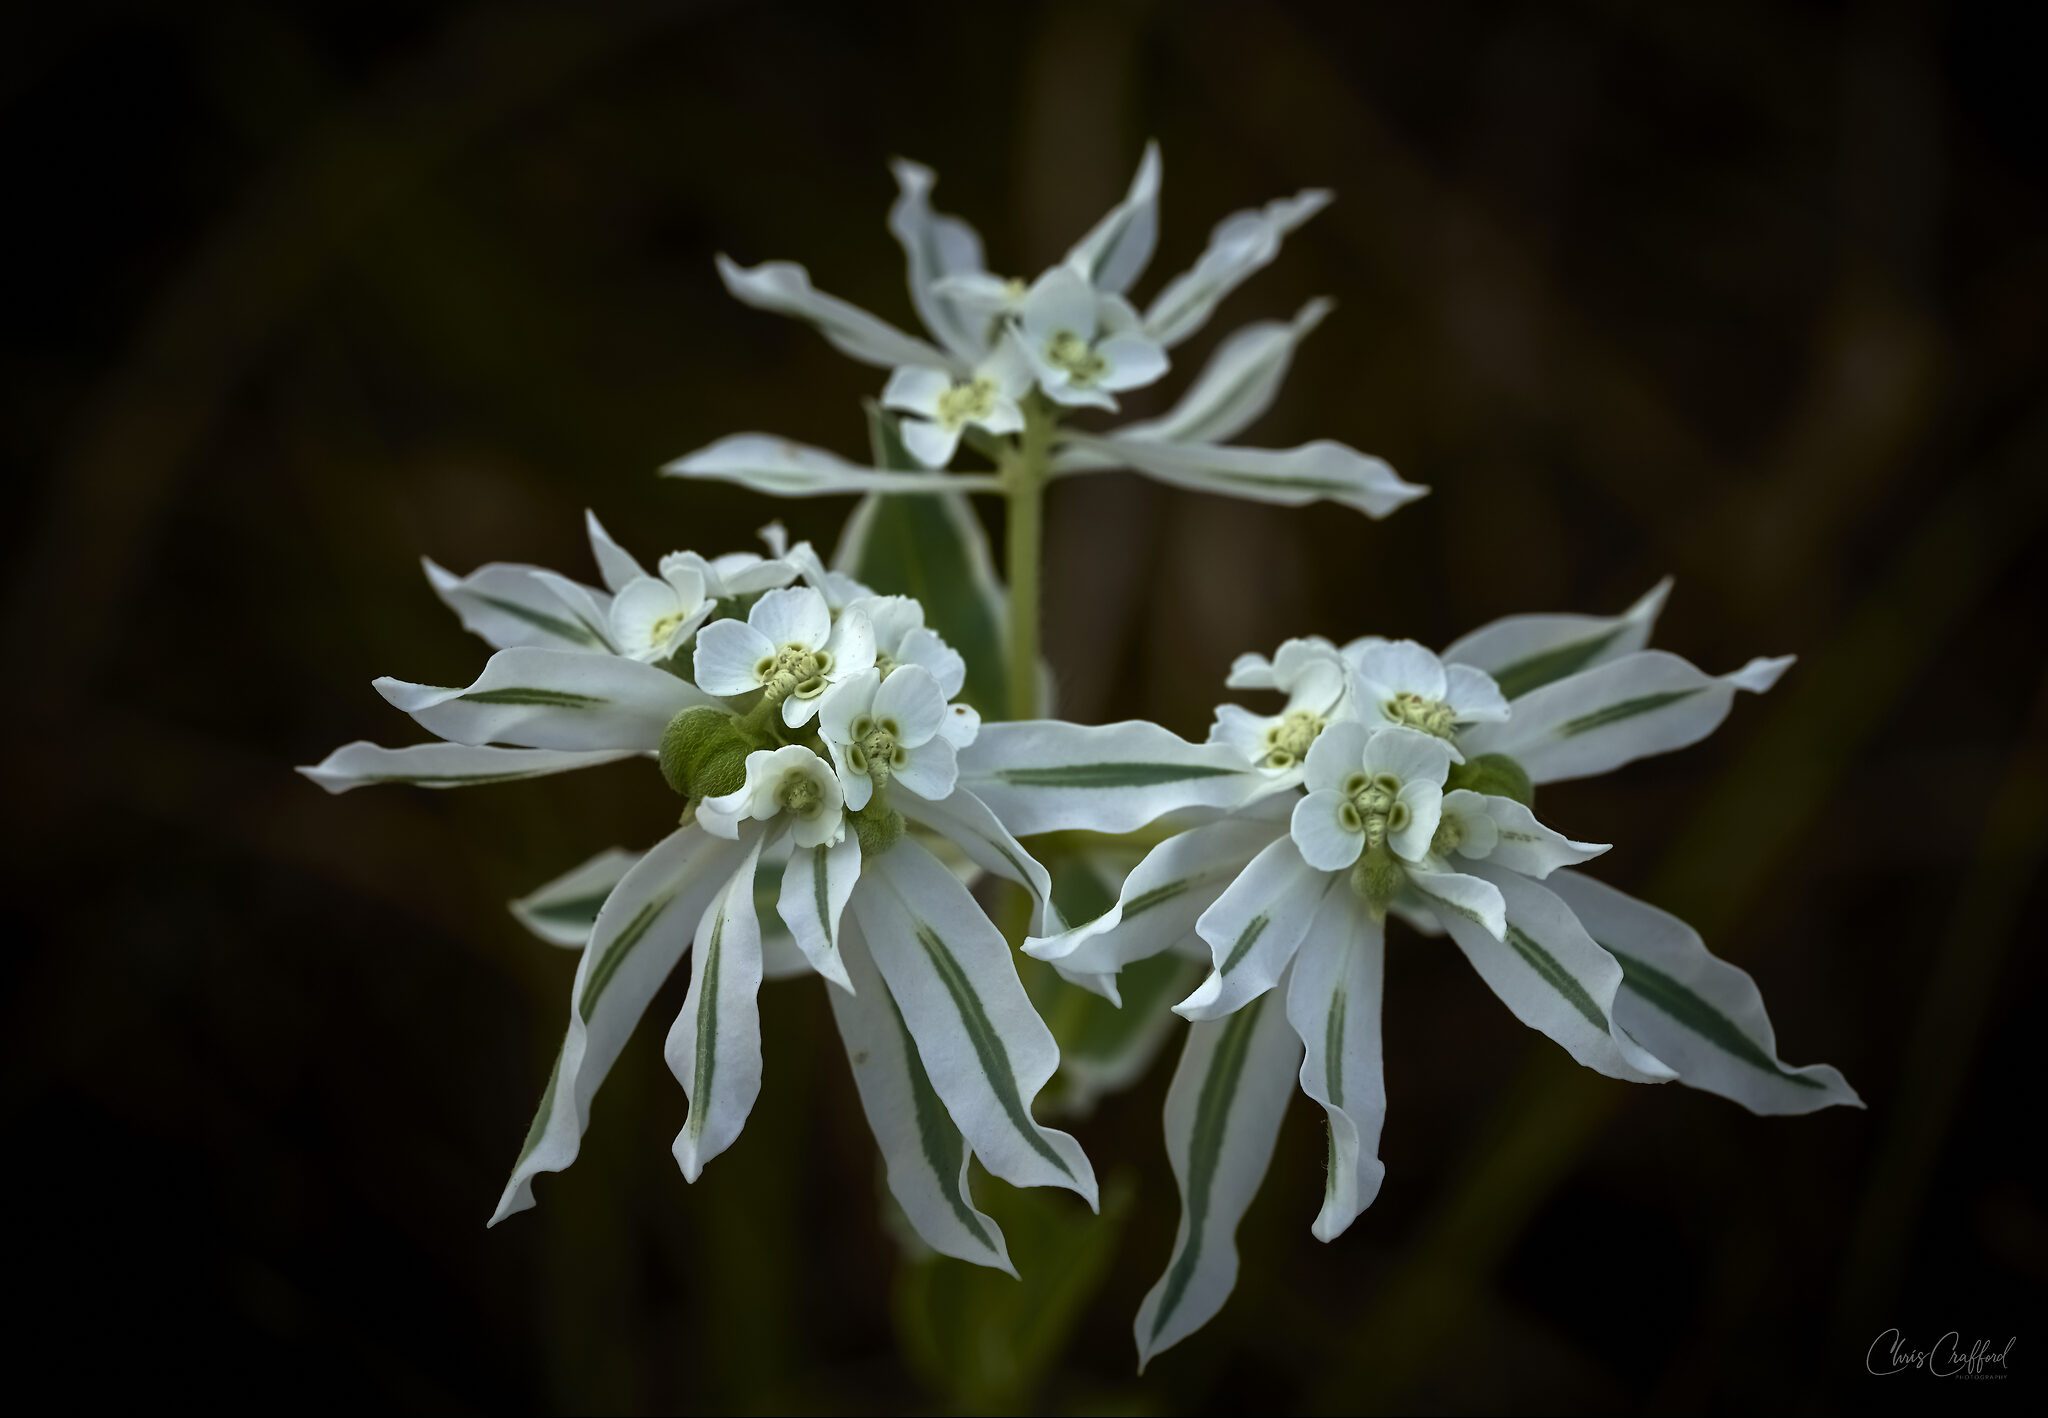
(1749, 293)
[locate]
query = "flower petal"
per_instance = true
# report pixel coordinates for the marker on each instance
(564, 911)
(714, 1047)
(640, 934)
(1595, 721)
(986, 1050)
(1554, 977)
(815, 886)
(1290, 477)
(728, 656)
(794, 615)
(1223, 1113)
(614, 563)
(1337, 753)
(1333, 1002)
(922, 1150)
(915, 389)
(1425, 803)
(1525, 652)
(910, 699)
(1693, 1010)
(785, 288)
(1254, 928)
(1047, 776)
(1319, 832)
(560, 699)
(1133, 362)
(931, 444)
(1402, 667)
(1242, 244)
(930, 771)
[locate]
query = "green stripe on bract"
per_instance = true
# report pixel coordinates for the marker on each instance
(616, 952)
(1626, 709)
(981, 1032)
(1247, 938)
(536, 698)
(454, 780)
(554, 625)
(1700, 1016)
(1328, 486)
(1333, 1049)
(945, 1151)
(1554, 975)
(1112, 775)
(538, 1128)
(1159, 895)
(1550, 665)
(821, 893)
(571, 910)
(707, 1029)
(1205, 1150)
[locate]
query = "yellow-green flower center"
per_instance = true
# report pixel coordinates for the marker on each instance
(966, 402)
(1371, 805)
(1288, 741)
(1069, 352)
(794, 670)
(874, 750)
(1431, 716)
(800, 794)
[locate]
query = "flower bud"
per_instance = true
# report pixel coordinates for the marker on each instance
(704, 753)
(877, 826)
(1493, 773)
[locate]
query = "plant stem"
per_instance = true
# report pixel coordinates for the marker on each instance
(1024, 477)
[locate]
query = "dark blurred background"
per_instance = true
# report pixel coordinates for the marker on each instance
(1749, 293)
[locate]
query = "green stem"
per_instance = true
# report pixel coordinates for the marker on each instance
(1024, 477)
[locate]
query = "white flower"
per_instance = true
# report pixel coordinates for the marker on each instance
(882, 729)
(1084, 345)
(652, 617)
(1400, 682)
(902, 638)
(1313, 677)
(789, 647)
(944, 406)
(1366, 789)
(789, 780)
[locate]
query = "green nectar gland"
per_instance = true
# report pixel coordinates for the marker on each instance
(874, 750)
(793, 670)
(1288, 741)
(1069, 352)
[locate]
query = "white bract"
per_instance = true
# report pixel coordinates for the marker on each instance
(1410, 798)
(946, 1048)
(1011, 361)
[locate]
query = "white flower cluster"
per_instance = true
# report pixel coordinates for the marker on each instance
(1394, 781)
(840, 791)
(1004, 352)
(785, 702)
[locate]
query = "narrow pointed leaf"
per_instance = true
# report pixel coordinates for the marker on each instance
(640, 934)
(564, 911)
(557, 699)
(812, 902)
(1115, 251)
(1333, 1002)
(1694, 1010)
(781, 468)
(446, 765)
(1593, 722)
(1050, 776)
(1242, 244)
(1525, 652)
(1223, 1113)
(714, 1047)
(507, 605)
(1254, 928)
(986, 1050)
(925, 1155)
(935, 246)
(785, 288)
(1290, 477)
(1555, 978)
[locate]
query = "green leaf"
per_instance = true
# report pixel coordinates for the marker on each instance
(936, 550)
(983, 1342)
